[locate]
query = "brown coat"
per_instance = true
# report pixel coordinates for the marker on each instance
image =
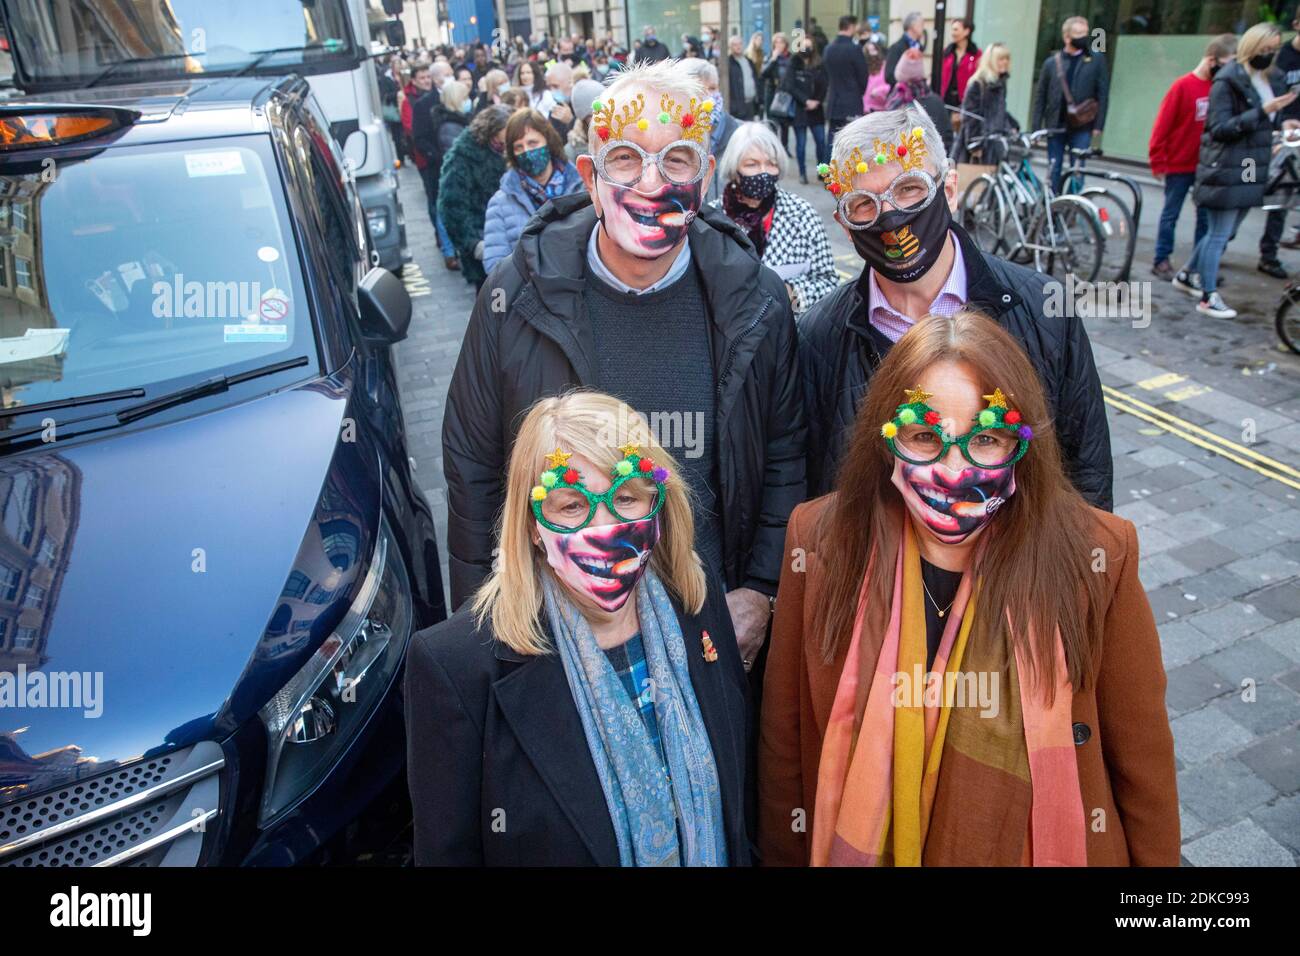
(1126, 764)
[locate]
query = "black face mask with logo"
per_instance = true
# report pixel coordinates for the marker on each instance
(903, 244)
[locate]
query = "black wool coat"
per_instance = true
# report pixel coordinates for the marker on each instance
(497, 761)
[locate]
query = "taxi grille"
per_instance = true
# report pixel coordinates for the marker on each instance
(154, 812)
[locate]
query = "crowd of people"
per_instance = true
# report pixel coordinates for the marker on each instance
(707, 506)
(1208, 126)
(710, 508)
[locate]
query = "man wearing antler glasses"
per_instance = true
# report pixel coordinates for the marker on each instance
(636, 288)
(895, 193)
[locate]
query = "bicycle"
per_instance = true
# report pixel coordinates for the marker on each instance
(1058, 234)
(1284, 181)
(1118, 220)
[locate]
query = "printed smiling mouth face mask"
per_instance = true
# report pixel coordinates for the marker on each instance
(603, 563)
(952, 505)
(648, 225)
(600, 562)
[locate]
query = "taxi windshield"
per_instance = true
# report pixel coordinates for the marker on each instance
(145, 265)
(135, 39)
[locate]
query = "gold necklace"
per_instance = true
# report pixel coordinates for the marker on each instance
(936, 603)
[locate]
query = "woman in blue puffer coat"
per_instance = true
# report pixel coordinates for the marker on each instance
(537, 171)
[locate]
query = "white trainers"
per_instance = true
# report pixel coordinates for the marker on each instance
(1189, 282)
(1215, 306)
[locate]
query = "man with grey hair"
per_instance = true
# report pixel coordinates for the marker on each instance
(913, 38)
(895, 194)
(636, 289)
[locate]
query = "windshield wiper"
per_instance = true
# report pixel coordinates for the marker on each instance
(259, 56)
(114, 67)
(209, 386)
(71, 402)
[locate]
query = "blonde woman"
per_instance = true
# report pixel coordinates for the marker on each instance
(1246, 103)
(588, 706)
(984, 109)
(490, 88)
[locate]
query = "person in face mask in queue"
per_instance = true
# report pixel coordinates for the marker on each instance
(783, 228)
(895, 193)
(1072, 94)
(588, 708)
(557, 104)
(636, 288)
(953, 681)
(537, 171)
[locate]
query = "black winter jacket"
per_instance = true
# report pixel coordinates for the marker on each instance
(1090, 82)
(988, 101)
(846, 66)
(804, 82)
(839, 349)
(529, 337)
(1238, 139)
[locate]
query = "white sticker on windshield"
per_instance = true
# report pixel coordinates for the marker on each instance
(249, 332)
(34, 344)
(224, 162)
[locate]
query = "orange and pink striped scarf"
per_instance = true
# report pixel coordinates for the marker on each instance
(996, 777)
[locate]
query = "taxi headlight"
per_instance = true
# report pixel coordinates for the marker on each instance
(314, 717)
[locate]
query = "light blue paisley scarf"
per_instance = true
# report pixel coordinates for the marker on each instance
(658, 821)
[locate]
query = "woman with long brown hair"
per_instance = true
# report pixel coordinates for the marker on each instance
(964, 668)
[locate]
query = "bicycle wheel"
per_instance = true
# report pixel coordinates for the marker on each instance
(1078, 244)
(1117, 226)
(983, 213)
(1287, 320)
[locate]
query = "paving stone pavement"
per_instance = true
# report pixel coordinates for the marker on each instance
(1220, 542)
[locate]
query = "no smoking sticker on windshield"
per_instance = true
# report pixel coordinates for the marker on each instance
(256, 332)
(274, 306)
(224, 162)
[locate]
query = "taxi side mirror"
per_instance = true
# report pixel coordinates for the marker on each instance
(385, 306)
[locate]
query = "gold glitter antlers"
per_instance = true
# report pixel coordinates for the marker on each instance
(909, 152)
(696, 120)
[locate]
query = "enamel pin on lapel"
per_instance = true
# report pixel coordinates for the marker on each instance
(710, 652)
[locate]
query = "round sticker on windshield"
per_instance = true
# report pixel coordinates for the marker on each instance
(268, 254)
(274, 306)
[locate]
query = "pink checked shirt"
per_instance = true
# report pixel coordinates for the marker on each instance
(951, 297)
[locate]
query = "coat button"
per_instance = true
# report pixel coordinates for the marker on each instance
(1006, 297)
(1082, 733)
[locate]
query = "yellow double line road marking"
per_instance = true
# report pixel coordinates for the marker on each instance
(1203, 438)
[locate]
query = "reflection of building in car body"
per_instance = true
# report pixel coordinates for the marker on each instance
(326, 568)
(39, 511)
(31, 347)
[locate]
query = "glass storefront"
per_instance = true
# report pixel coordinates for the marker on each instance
(1148, 45)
